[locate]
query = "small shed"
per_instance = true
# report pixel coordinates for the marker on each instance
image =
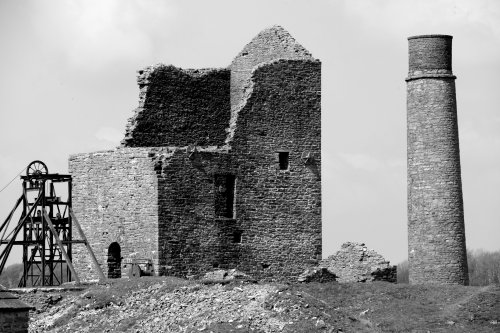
(14, 313)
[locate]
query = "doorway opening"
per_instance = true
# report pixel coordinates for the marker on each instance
(114, 261)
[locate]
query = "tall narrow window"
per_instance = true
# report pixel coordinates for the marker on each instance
(224, 195)
(283, 157)
(237, 236)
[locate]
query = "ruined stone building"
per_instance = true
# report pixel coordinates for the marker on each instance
(436, 232)
(219, 168)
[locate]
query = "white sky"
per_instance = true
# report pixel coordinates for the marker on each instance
(68, 85)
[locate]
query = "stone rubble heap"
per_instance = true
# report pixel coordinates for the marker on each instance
(355, 263)
(222, 275)
(320, 274)
(186, 309)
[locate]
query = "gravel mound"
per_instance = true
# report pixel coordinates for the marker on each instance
(190, 308)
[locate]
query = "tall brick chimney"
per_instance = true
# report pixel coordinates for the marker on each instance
(436, 232)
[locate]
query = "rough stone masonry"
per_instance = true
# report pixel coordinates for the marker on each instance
(219, 168)
(436, 232)
(354, 262)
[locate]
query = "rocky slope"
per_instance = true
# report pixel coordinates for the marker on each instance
(163, 304)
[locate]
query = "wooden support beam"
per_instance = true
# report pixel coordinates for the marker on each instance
(5, 224)
(5, 253)
(92, 256)
(59, 243)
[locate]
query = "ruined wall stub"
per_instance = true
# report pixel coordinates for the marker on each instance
(436, 232)
(354, 262)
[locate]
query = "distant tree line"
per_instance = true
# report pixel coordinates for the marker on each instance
(403, 272)
(12, 274)
(484, 268)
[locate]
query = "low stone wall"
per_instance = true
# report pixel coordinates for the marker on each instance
(14, 313)
(355, 263)
(14, 321)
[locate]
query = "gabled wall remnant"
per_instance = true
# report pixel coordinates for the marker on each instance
(268, 45)
(354, 262)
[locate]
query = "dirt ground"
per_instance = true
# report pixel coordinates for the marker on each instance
(165, 304)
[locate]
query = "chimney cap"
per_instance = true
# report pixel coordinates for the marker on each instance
(431, 36)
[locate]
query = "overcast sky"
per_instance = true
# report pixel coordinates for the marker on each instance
(68, 85)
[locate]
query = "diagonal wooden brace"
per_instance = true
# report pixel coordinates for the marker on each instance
(59, 243)
(92, 256)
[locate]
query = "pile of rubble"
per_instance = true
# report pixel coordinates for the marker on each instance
(224, 276)
(195, 308)
(155, 309)
(355, 263)
(320, 274)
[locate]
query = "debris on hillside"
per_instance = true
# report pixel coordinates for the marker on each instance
(355, 263)
(320, 274)
(168, 304)
(224, 276)
(193, 307)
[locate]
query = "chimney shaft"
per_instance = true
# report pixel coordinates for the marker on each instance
(436, 232)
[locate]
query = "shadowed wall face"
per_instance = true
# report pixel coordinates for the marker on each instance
(179, 107)
(436, 233)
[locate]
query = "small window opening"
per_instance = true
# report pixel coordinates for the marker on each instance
(224, 195)
(283, 157)
(237, 237)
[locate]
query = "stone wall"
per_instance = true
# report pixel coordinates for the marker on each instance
(115, 199)
(280, 210)
(275, 227)
(180, 107)
(14, 313)
(192, 237)
(436, 233)
(14, 321)
(356, 263)
(270, 44)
